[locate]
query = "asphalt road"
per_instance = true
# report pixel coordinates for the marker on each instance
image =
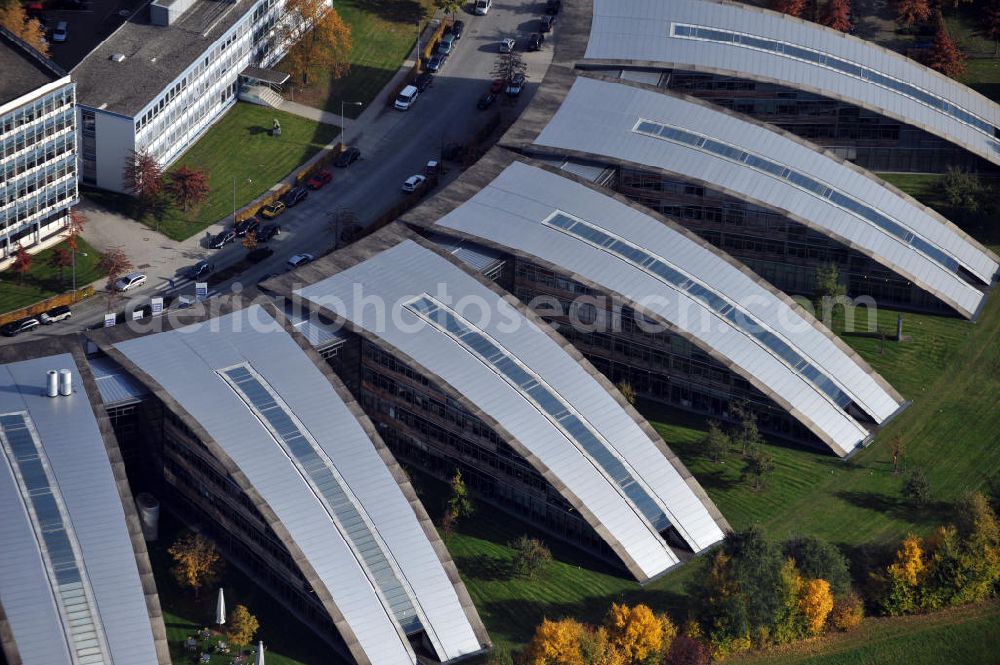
(394, 146)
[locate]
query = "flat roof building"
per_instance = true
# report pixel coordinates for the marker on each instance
(868, 104)
(540, 432)
(38, 183)
(262, 445)
(769, 198)
(75, 579)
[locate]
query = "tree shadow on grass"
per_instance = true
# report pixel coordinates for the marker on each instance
(485, 568)
(397, 11)
(933, 513)
(716, 478)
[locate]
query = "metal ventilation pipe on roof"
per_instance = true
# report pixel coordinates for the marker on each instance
(52, 383)
(65, 382)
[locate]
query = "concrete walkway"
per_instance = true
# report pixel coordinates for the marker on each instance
(314, 114)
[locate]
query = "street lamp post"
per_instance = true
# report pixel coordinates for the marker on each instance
(343, 125)
(234, 198)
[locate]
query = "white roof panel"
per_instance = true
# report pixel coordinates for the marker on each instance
(407, 271)
(599, 117)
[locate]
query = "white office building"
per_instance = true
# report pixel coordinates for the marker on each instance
(160, 80)
(37, 147)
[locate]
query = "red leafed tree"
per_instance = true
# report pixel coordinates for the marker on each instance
(837, 15)
(22, 263)
(61, 259)
(790, 7)
(991, 21)
(142, 175)
(944, 56)
(188, 186)
(74, 228)
(909, 12)
(114, 263)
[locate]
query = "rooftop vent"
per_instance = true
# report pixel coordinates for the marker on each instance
(118, 57)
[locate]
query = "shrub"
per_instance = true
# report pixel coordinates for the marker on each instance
(530, 556)
(848, 611)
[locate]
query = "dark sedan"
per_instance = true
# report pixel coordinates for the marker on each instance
(251, 224)
(348, 157)
(457, 28)
(267, 232)
(294, 196)
(486, 101)
(221, 240)
(423, 81)
(200, 269)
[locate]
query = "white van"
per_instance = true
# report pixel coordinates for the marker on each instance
(483, 7)
(406, 98)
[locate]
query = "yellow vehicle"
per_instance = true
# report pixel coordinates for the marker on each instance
(273, 210)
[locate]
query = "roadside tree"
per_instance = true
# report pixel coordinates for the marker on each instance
(114, 263)
(321, 41)
(188, 186)
(22, 263)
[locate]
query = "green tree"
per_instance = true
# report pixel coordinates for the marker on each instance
(449, 7)
(747, 436)
(963, 190)
(716, 442)
(530, 556)
(818, 559)
(828, 282)
(902, 584)
(757, 466)
(459, 503)
(917, 488)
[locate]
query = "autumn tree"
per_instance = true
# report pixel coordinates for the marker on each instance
(74, 228)
(188, 186)
(991, 23)
(817, 558)
(60, 259)
(114, 263)
(686, 650)
(14, 17)
(197, 562)
(816, 603)
(530, 556)
(635, 632)
(320, 40)
(716, 442)
(837, 15)
(910, 12)
(848, 611)
(789, 622)
(556, 643)
(627, 391)
(917, 488)
(142, 175)
(896, 448)
(250, 241)
(22, 263)
(904, 576)
(242, 627)
(790, 7)
(459, 503)
(944, 55)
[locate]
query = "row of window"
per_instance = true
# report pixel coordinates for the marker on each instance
(42, 106)
(50, 197)
(39, 179)
(35, 134)
(27, 161)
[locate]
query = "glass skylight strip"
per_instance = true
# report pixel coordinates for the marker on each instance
(827, 61)
(817, 188)
(533, 389)
(56, 540)
(659, 268)
(318, 470)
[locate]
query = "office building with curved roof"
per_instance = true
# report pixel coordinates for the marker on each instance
(871, 105)
(770, 199)
(265, 448)
(458, 374)
(75, 579)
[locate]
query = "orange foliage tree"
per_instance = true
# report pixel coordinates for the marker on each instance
(909, 12)
(196, 560)
(556, 643)
(904, 577)
(944, 56)
(188, 186)
(837, 15)
(22, 263)
(848, 611)
(634, 631)
(14, 18)
(320, 40)
(815, 603)
(790, 7)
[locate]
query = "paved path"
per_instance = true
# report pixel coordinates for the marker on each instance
(315, 114)
(394, 146)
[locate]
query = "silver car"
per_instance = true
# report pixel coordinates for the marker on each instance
(130, 281)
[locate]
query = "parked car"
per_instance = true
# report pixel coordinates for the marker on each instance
(267, 232)
(423, 81)
(414, 181)
(552, 7)
(318, 179)
(17, 327)
(535, 41)
(294, 196)
(516, 85)
(246, 226)
(222, 239)
(482, 7)
(273, 210)
(259, 254)
(61, 33)
(56, 314)
(457, 28)
(433, 167)
(300, 260)
(407, 97)
(130, 281)
(199, 270)
(486, 101)
(447, 44)
(507, 44)
(436, 63)
(348, 157)
(546, 23)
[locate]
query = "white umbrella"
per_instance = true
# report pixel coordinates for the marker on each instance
(220, 608)
(260, 653)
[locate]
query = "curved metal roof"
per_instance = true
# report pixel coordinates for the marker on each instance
(517, 373)
(263, 400)
(627, 123)
(749, 42)
(70, 584)
(532, 211)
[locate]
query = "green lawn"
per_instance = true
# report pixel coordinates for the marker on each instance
(43, 280)
(286, 640)
(383, 33)
(962, 635)
(239, 146)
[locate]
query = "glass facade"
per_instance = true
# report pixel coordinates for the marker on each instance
(54, 532)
